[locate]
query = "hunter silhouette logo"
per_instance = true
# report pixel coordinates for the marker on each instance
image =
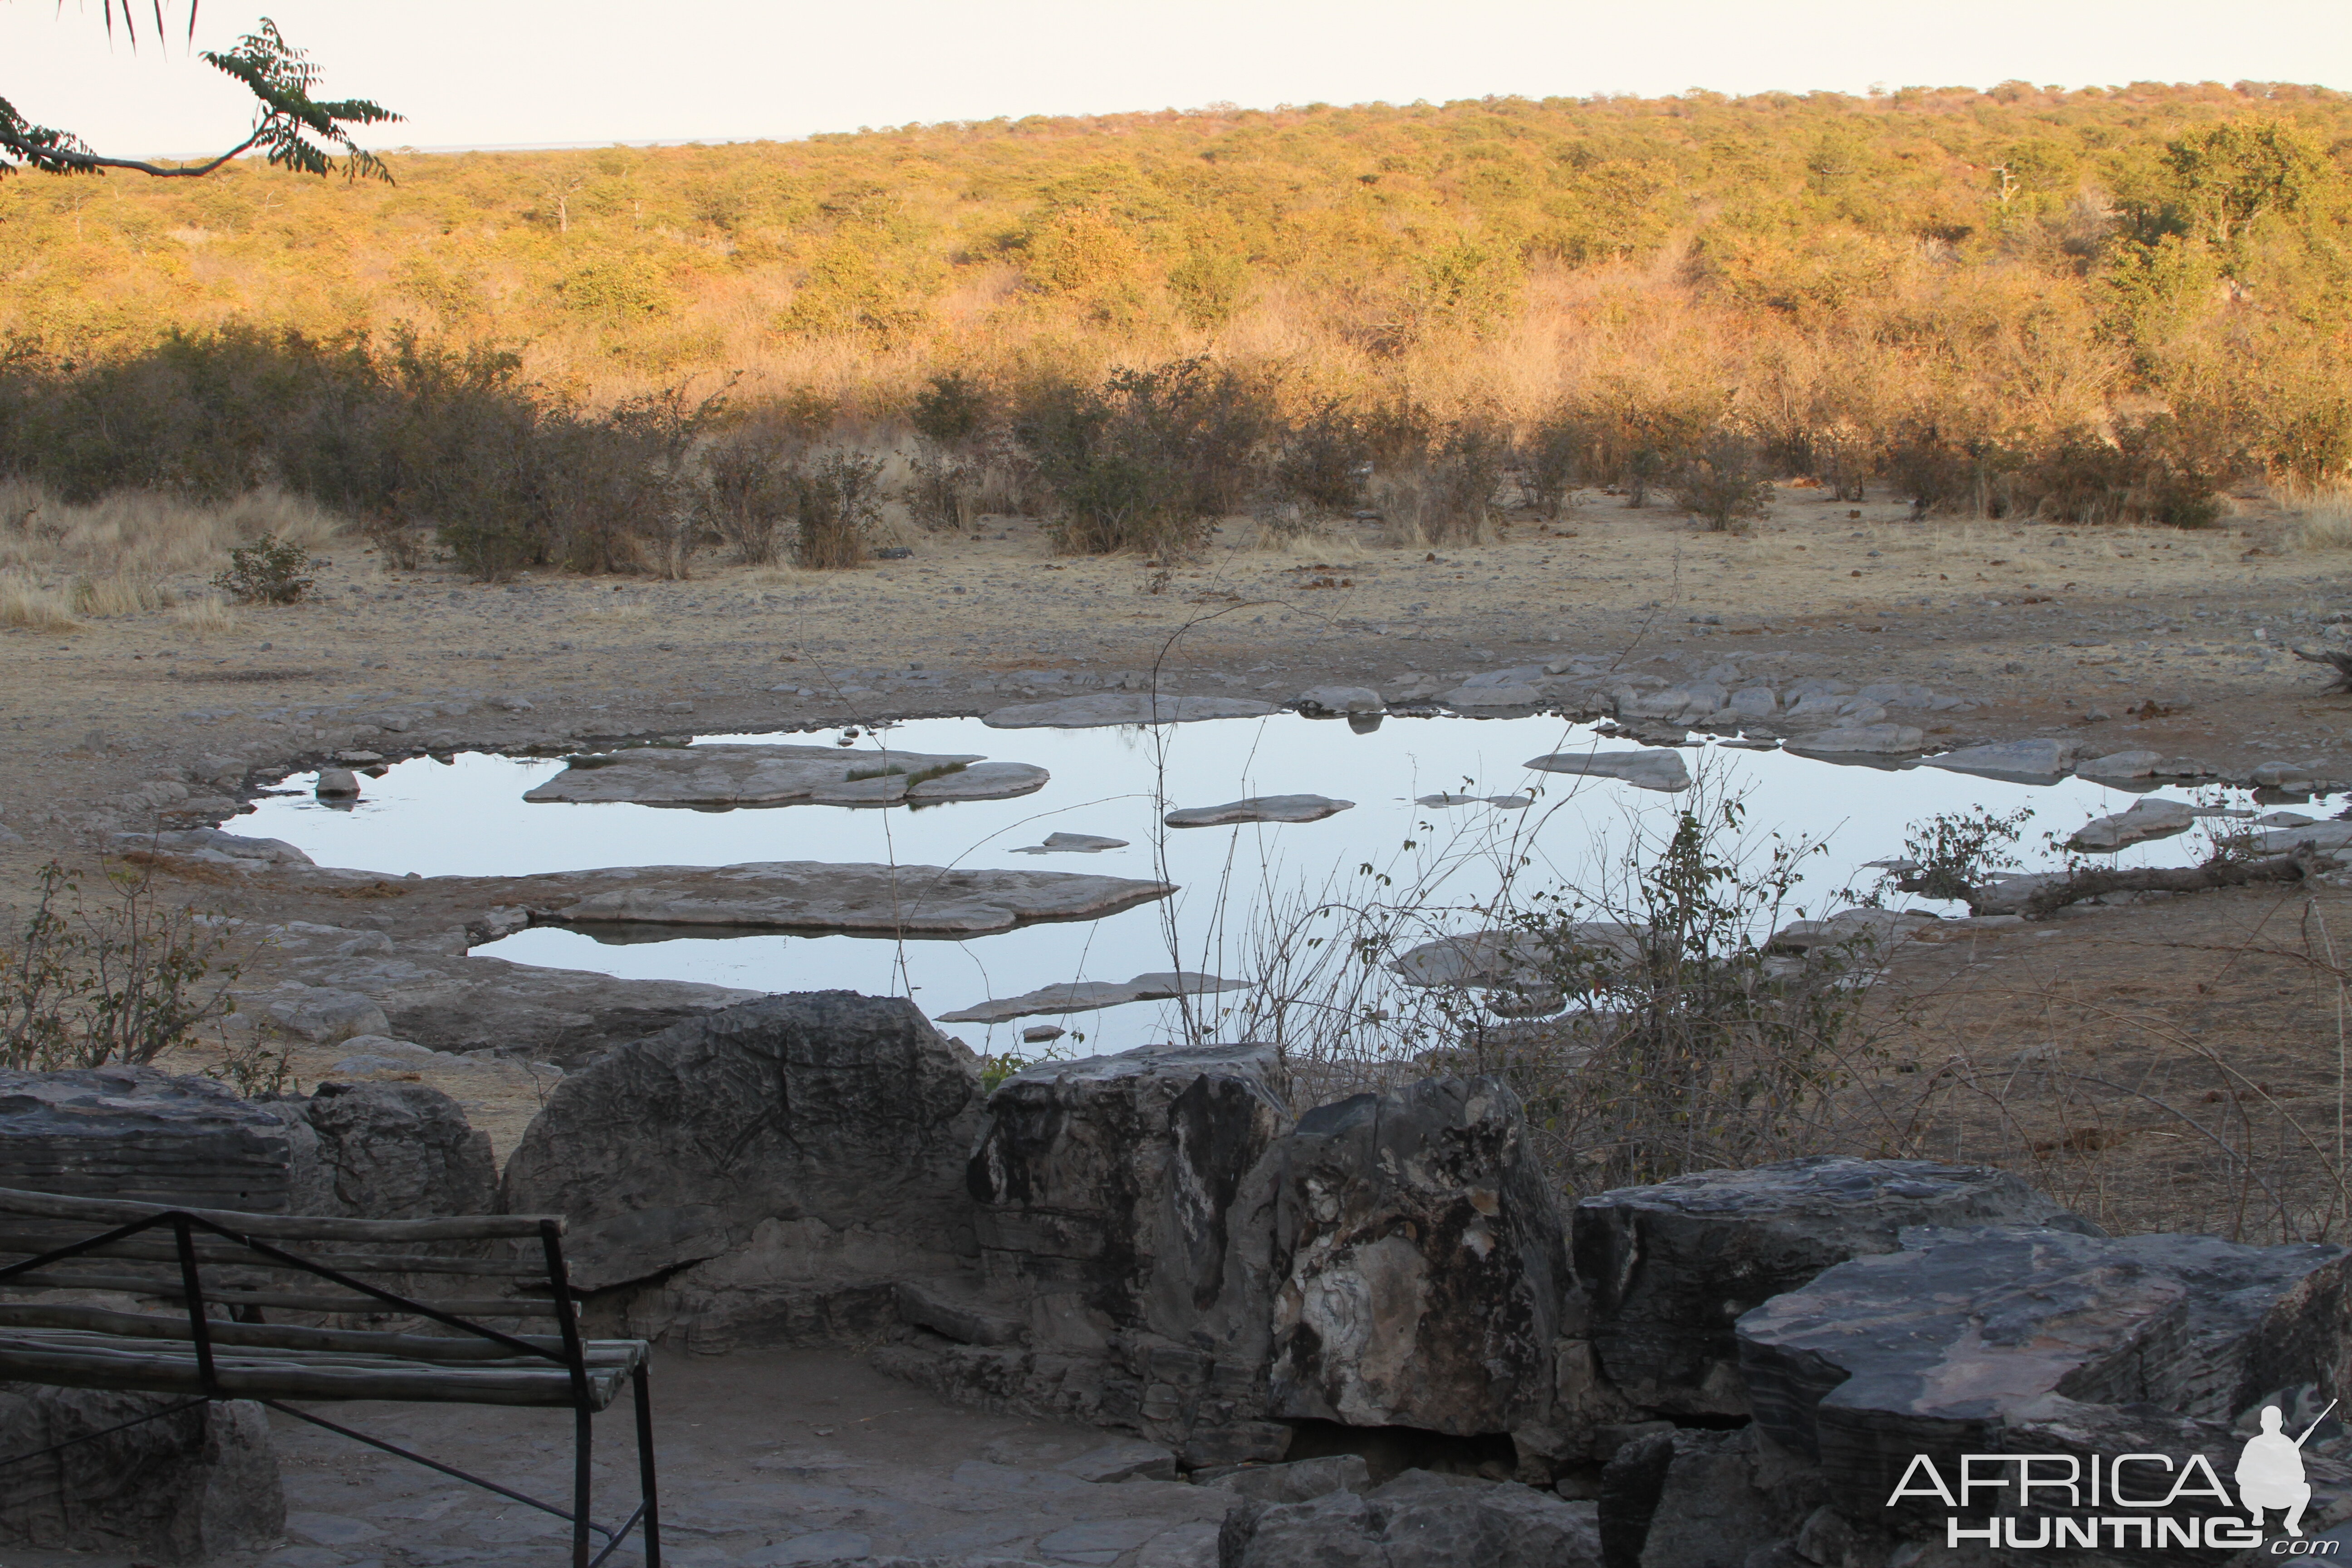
(2270, 1471)
(2127, 1500)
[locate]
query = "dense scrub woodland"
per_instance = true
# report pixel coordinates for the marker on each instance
(2096, 305)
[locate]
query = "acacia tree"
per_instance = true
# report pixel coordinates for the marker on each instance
(289, 125)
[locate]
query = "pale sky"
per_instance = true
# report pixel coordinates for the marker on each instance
(507, 72)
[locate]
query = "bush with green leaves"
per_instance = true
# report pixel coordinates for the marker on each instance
(112, 980)
(267, 572)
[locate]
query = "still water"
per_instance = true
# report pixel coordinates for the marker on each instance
(467, 816)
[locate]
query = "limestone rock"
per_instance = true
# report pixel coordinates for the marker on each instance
(2323, 836)
(1124, 1460)
(817, 895)
(1125, 1207)
(765, 1159)
(1301, 1480)
(1661, 769)
(2121, 765)
(1316, 700)
(2031, 762)
(181, 1488)
(337, 784)
(454, 1003)
(1710, 1511)
(1942, 1346)
(212, 845)
(400, 1151)
(1086, 995)
(322, 1013)
(1259, 808)
(1863, 931)
(1669, 1267)
(1510, 695)
(135, 1133)
(1425, 1262)
(1861, 741)
(1072, 844)
(739, 775)
(1100, 707)
(1498, 959)
(2144, 819)
(1417, 1520)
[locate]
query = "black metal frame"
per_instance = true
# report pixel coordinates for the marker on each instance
(572, 1357)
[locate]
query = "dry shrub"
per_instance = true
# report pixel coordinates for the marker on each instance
(837, 502)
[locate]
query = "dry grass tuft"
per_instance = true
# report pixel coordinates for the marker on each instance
(120, 543)
(25, 602)
(2323, 516)
(119, 593)
(206, 617)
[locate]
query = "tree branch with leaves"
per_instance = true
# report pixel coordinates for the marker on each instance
(292, 129)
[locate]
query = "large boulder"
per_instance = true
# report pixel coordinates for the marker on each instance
(400, 1151)
(1668, 1267)
(135, 1133)
(763, 1172)
(1124, 1218)
(1419, 1519)
(178, 1489)
(1943, 1347)
(1425, 1263)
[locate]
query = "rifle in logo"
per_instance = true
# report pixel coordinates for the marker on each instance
(2270, 1471)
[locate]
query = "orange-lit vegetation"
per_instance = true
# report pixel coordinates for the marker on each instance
(2097, 304)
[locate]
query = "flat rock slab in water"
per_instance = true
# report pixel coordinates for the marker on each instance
(2318, 836)
(2027, 760)
(1500, 802)
(1087, 996)
(721, 776)
(1498, 959)
(1861, 741)
(2145, 819)
(814, 895)
(1661, 770)
(1099, 708)
(2122, 765)
(1072, 844)
(1511, 695)
(1260, 808)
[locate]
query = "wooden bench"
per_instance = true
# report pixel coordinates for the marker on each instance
(446, 1310)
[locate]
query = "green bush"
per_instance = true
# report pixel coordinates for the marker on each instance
(267, 572)
(114, 983)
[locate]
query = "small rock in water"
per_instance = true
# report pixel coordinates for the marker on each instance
(338, 784)
(2121, 765)
(1259, 808)
(1336, 699)
(1042, 1034)
(2146, 819)
(1072, 844)
(2035, 760)
(1087, 996)
(1664, 771)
